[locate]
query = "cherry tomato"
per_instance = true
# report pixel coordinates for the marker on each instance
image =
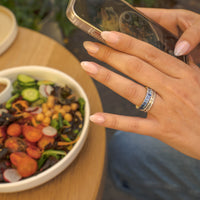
(27, 166)
(15, 144)
(16, 157)
(32, 134)
(14, 129)
(44, 141)
(34, 152)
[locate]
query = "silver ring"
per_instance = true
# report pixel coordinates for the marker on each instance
(148, 100)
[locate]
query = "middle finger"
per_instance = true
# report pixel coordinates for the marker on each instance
(130, 65)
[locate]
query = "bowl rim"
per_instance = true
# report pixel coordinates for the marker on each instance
(11, 35)
(59, 166)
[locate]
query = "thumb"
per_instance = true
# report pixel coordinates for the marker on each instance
(188, 40)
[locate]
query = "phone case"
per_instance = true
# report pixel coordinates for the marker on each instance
(121, 16)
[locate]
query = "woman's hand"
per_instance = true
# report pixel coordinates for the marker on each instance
(175, 115)
(178, 21)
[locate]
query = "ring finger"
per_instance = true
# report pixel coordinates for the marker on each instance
(126, 88)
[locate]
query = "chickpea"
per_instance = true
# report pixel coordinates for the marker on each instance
(46, 120)
(40, 117)
(51, 98)
(66, 108)
(48, 113)
(50, 104)
(44, 107)
(80, 126)
(78, 113)
(55, 116)
(50, 101)
(57, 108)
(62, 112)
(68, 117)
(74, 106)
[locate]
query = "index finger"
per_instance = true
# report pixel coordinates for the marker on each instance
(146, 52)
(161, 16)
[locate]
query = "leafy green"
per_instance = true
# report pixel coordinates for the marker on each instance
(66, 123)
(40, 101)
(76, 131)
(17, 88)
(60, 120)
(46, 154)
(12, 99)
(81, 102)
(66, 139)
(54, 123)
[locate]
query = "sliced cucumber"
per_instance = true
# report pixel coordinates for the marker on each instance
(28, 84)
(39, 102)
(45, 82)
(9, 102)
(30, 94)
(23, 78)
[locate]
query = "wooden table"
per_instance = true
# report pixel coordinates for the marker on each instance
(82, 179)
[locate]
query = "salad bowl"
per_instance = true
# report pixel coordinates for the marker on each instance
(50, 75)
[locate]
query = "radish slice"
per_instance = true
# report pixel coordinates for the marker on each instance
(39, 110)
(49, 131)
(34, 110)
(3, 110)
(11, 175)
(45, 90)
(42, 90)
(48, 89)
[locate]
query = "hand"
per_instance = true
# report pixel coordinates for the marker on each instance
(176, 20)
(175, 115)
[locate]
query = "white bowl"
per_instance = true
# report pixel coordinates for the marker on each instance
(58, 77)
(8, 28)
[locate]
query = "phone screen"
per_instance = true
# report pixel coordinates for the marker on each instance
(117, 15)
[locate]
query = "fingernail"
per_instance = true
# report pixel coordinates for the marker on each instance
(89, 67)
(110, 37)
(91, 47)
(181, 48)
(97, 118)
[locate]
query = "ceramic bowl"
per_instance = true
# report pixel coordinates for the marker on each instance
(8, 28)
(45, 73)
(5, 94)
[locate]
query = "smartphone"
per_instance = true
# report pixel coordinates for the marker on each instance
(95, 16)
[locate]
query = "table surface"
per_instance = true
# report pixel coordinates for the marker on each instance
(82, 179)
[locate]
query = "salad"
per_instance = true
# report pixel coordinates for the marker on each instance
(39, 125)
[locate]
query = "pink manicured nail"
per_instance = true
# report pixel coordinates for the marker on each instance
(91, 47)
(97, 118)
(110, 37)
(90, 67)
(181, 48)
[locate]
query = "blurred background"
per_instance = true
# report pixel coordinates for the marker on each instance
(48, 17)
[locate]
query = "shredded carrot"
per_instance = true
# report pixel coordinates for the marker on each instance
(67, 143)
(24, 114)
(23, 103)
(34, 122)
(64, 136)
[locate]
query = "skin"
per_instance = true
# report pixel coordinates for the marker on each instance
(175, 115)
